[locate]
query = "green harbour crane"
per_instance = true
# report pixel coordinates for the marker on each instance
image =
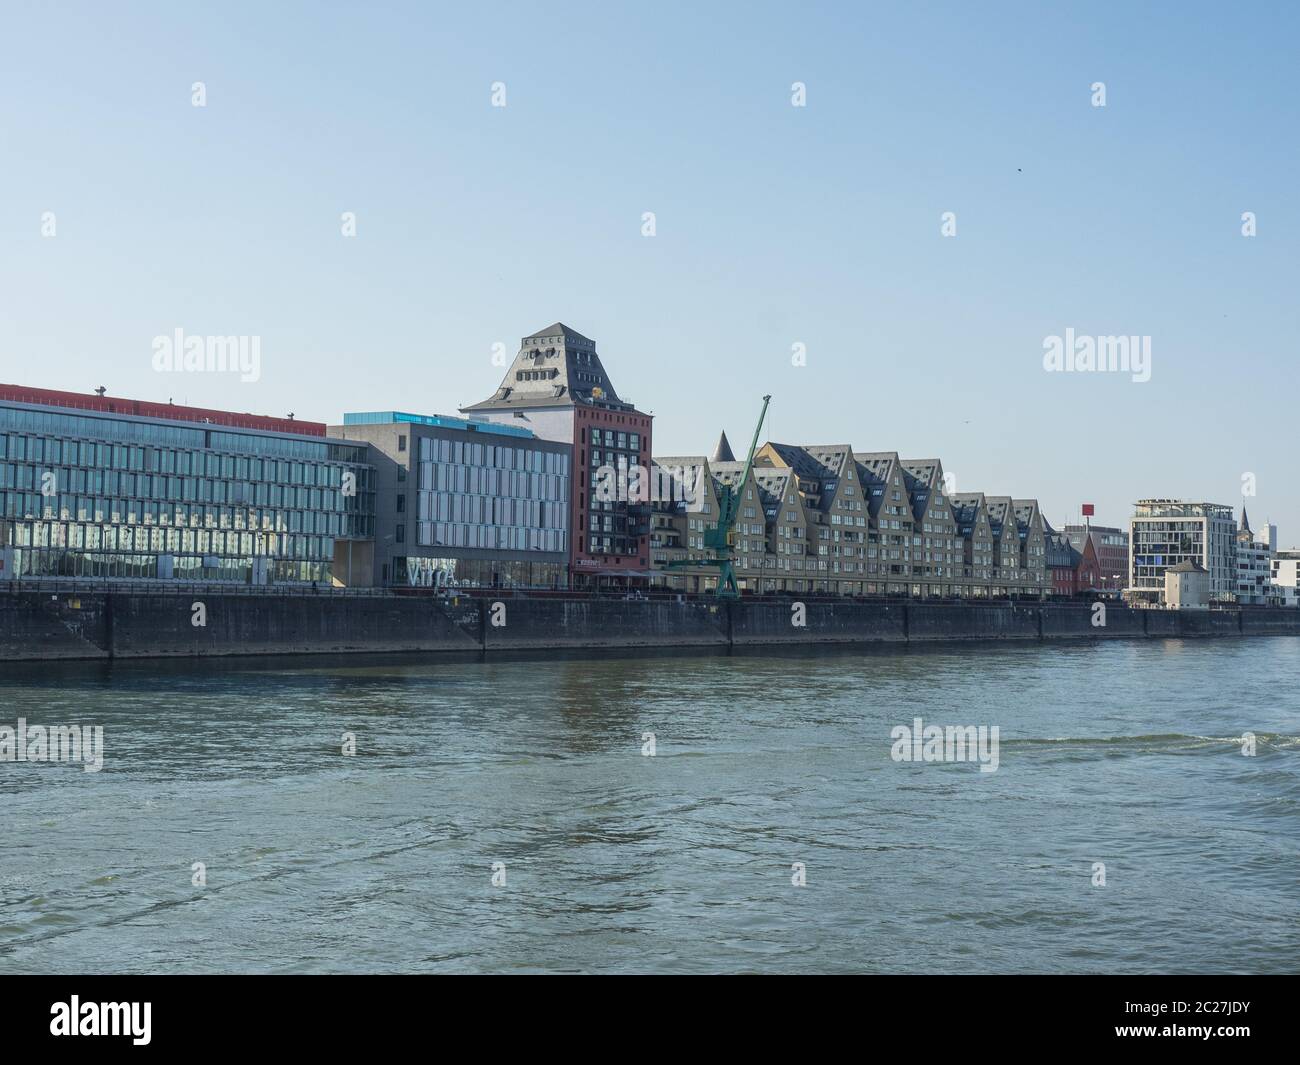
(720, 538)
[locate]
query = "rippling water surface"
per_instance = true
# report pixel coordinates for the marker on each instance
(1125, 753)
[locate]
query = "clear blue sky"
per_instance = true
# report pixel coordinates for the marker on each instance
(775, 225)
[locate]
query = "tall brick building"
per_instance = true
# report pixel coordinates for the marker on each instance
(558, 388)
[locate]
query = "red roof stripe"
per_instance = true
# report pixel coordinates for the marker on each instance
(50, 397)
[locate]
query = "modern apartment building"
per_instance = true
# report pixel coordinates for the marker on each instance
(1166, 532)
(975, 535)
(1007, 574)
(1255, 564)
(1031, 533)
(825, 519)
(557, 388)
(1286, 577)
(93, 486)
(685, 502)
(465, 504)
(821, 535)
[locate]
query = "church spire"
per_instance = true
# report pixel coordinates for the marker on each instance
(722, 453)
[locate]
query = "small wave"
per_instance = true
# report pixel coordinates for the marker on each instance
(1168, 738)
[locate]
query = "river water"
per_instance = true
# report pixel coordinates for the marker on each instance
(1126, 753)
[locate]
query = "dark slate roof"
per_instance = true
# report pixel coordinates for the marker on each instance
(1024, 509)
(727, 473)
(921, 477)
(966, 507)
(831, 458)
(559, 368)
(815, 462)
(818, 463)
(928, 471)
(880, 463)
(1000, 512)
(773, 478)
(722, 453)
(1190, 566)
(1060, 553)
(773, 485)
(559, 329)
(875, 468)
(797, 459)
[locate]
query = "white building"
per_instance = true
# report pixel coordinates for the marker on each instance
(1255, 564)
(1165, 532)
(1187, 586)
(1286, 576)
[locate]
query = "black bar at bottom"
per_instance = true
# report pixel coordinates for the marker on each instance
(341, 1013)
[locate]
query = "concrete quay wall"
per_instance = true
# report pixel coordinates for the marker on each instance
(36, 626)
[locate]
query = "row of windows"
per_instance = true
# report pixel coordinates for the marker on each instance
(497, 456)
(63, 426)
(493, 510)
(615, 438)
(69, 483)
(75, 536)
(102, 457)
(916, 591)
(490, 537)
(478, 480)
(615, 459)
(609, 545)
(121, 565)
(31, 506)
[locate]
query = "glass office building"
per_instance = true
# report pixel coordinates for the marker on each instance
(104, 488)
(464, 503)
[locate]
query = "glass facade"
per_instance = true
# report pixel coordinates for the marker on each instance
(105, 497)
(485, 573)
(492, 496)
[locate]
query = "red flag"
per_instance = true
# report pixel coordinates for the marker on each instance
(1088, 510)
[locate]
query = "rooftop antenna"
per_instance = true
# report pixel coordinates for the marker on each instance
(100, 390)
